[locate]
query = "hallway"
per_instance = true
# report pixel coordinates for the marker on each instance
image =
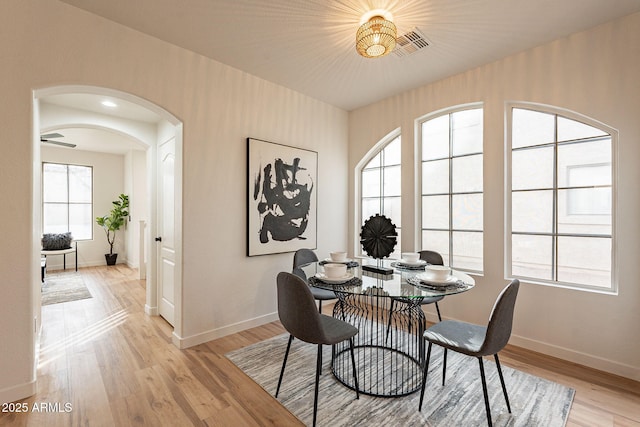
(103, 362)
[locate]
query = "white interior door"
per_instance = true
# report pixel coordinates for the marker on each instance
(166, 239)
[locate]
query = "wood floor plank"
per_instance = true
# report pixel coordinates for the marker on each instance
(118, 367)
(203, 403)
(91, 406)
(160, 398)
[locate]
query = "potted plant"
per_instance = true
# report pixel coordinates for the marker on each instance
(113, 222)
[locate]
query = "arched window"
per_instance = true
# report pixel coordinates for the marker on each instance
(380, 191)
(451, 186)
(560, 198)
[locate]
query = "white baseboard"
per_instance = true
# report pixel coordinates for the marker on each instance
(591, 361)
(595, 362)
(213, 334)
(132, 264)
(151, 311)
(588, 360)
(55, 267)
(18, 392)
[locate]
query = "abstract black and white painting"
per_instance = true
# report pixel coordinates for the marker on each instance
(281, 208)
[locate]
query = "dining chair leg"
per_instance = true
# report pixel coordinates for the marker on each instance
(318, 369)
(438, 310)
(284, 363)
(504, 387)
(444, 366)
(424, 376)
(484, 391)
(333, 356)
(320, 306)
(421, 342)
(355, 373)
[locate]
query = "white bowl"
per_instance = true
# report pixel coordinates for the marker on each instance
(338, 256)
(335, 271)
(411, 257)
(438, 272)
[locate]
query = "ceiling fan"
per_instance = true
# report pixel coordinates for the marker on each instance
(45, 138)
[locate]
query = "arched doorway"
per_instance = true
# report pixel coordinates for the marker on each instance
(148, 127)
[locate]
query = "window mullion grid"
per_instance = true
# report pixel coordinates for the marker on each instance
(556, 191)
(560, 143)
(554, 222)
(451, 190)
(382, 166)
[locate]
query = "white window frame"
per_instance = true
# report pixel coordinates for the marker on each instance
(358, 220)
(571, 115)
(418, 169)
(67, 202)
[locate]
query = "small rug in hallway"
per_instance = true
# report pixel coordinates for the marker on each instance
(534, 401)
(63, 287)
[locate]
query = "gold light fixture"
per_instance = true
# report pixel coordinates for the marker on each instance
(376, 37)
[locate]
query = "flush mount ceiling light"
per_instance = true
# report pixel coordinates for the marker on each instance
(376, 37)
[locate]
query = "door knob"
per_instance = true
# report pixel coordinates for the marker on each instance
(158, 239)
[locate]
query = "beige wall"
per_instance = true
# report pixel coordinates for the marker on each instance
(45, 44)
(594, 73)
(136, 185)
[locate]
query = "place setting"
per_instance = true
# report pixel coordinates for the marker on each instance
(410, 261)
(438, 278)
(335, 273)
(339, 257)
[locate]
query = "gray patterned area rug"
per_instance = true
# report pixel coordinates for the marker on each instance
(534, 401)
(64, 287)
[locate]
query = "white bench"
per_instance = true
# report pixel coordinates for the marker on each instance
(63, 252)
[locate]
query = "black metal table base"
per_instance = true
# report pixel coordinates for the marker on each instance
(389, 352)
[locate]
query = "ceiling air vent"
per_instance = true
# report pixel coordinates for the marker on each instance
(410, 42)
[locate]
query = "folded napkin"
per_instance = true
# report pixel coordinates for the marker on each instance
(456, 285)
(402, 266)
(354, 281)
(350, 264)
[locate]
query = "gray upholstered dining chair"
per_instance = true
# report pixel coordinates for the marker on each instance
(301, 258)
(433, 258)
(298, 315)
(475, 340)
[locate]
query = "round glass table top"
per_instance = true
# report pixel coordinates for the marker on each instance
(388, 278)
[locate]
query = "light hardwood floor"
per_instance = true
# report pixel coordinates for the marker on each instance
(115, 366)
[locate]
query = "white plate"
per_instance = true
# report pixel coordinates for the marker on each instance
(430, 280)
(346, 261)
(412, 264)
(342, 279)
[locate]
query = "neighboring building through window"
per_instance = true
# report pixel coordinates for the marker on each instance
(67, 200)
(381, 187)
(452, 187)
(561, 199)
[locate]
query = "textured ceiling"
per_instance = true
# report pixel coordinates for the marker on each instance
(308, 45)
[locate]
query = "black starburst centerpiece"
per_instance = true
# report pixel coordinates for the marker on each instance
(378, 236)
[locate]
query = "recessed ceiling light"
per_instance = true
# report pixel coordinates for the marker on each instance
(109, 104)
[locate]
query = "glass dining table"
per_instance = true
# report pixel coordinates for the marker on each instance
(382, 298)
